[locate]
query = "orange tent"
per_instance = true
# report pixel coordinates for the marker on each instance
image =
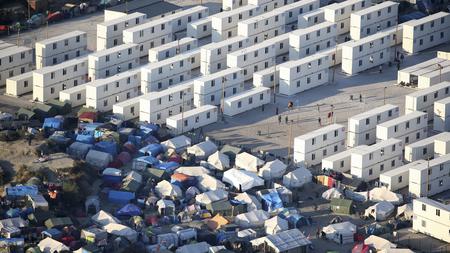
(216, 222)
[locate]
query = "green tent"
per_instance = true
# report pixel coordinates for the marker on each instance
(44, 111)
(58, 222)
(63, 108)
(342, 206)
(222, 206)
(24, 114)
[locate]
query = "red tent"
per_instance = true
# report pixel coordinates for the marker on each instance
(361, 248)
(124, 157)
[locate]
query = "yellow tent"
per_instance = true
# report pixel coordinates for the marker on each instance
(216, 222)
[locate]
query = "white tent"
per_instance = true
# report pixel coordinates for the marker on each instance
(209, 183)
(194, 171)
(383, 194)
(396, 251)
(202, 150)
(241, 179)
(165, 188)
(104, 218)
(297, 178)
(380, 211)
(406, 210)
(248, 162)
(379, 243)
(211, 196)
(251, 219)
(122, 231)
(275, 225)
(98, 159)
(179, 143)
(273, 169)
(49, 245)
(341, 233)
(164, 204)
(200, 247)
(219, 161)
(332, 193)
(251, 201)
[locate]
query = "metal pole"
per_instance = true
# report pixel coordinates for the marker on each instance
(182, 114)
(395, 46)
(334, 61)
(46, 30)
(384, 95)
(274, 82)
(18, 36)
(289, 143)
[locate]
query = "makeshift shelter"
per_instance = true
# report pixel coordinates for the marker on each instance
(405, 211)
(211, 196)
(332, 193)
(103, 218)
(21, 190)
(112, 176)
(285, 194)
(191, 192)
(98, 159)
(382, 194)
(109, 147)
(167, 240)
(342, 233)
(251, 201)
(270, 200)
(380, 211)
(153, 149)
(202, 150)
(166, 207)
(93, 235)
(92, 201)
(124, 157)
(248, 162)
(53, 123)
(85, 138)
(286, 241)
(275, 225)
(44, 111)
(58, 222)
(297, 178)
(144, 162)
(13, 222)
(38, 202)
(231, 152)
(241, 179)
(120, 197)
(194, 171)
(272, 170)
(341, 206)
(182, 180)
(49, 245)
(219, 161)
(24, 114)
(216, 222)
(164, 188)
(356, 196)
(179, 143)
(251, 219)
(129, 210)
(132, 181)
(200, 247)
(63, 107)
(122, 231)
(379, 243)
(209, 183)
(168, 166)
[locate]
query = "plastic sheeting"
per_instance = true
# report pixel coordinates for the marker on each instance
(84, 138)
(273, 169)
(152, 150)
(109, 147)
(270, 200)
(275, 225)
(219, 161)
(341, 233)
(248, 162)
(79, 150)
(22, 190)
(406, 211)
(379, 243)
(241, 179)
(169, 167)
(251, 219)
(251, 201)
(332, 193)
(49, 245)
(383, 194)
(164, 188)
(202, 150)
(297, 178)
(120, 197)
(98, 159)
(122, 231)
(55, 123)
(209, 183)
(211, 196)
(129, 210)
(194, 171)
(380, 211)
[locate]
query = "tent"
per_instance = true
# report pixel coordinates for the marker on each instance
(379, 243)
(182, 180)
(164, 188)
(272, 170)
(21, 190)
(53, 123)
(341, 206)
(153, 149)
(332, 193)
(341, 233)
(251, 219)
(166, 207)
(270, 200)
(98, 159)
(251, 201)
(248, 162)
(124, 157)
(356, 196)
(92, 201)
(49, 245)
(222, 206)
(179, 143)
(93, 234)
(216, 222)
(132, 181)
(380, 211)
(120, 197)
(209, 183)
(38, 202)
(396, 251)
(103, 218)
(202, 150)
(129, 210)
(109, 147)
(219, 161)
(122, 231)
(143, 162)
(13, 222)
(85, 138)
(405, 211)
(275, 225)
(241, 179)
(168, 166)
(194, 171)
(58, 222)
(297, 178)
(211, 196)
(382, 194)
(112, 175)
(200, 247)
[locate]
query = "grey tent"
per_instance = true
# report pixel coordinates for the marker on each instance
(79, 150)
(230, 151)
(98, 159)
(132, 181)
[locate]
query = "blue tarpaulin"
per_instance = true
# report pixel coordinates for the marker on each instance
(129, 210)
(55, 123)
(152, 150)
(296, 221)
(411, 16)
(271, 201)
(22, 190)
(148, 128)
(169, 167)
(143, 162)
(109, 147)
(87, 139)
(120, 197)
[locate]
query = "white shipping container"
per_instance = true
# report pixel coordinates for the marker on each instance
(409, 128)
(193, 119)
(442, 144)
(200, 29)
(430, 178)
(75, 95)
(171, 49)
(19, 85)
(441, 120)
(423, 100)
(246, 101)
(398, 178)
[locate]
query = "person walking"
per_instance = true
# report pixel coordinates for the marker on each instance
(276, 111)
(380, 69)
(286, 119)
(279, 119)
(360, 98)
(320, 121)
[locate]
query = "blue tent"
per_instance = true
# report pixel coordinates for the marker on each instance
(13, 213)
(169, 167)
(120, 197)
(297, 221)
(109, 147)
(52, 233)
(147, 128)
(129, 210)
(87, 139)
(79, 150)
(55, 123)
(22, 190)
(271, 201)
(152, 150)
(141, 163)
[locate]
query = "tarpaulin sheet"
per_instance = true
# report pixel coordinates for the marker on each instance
(107, 147)
(169, 166)
(88, 139)
(55, 123)
(120, 197)
(152, 150)
(129, 210)
(271, 201)
(22, 190)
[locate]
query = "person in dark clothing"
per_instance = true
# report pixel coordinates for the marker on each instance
(279, 119)
(320, 121)
(276, 111)
(30, 137)
(286, 119)
(360, 98)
